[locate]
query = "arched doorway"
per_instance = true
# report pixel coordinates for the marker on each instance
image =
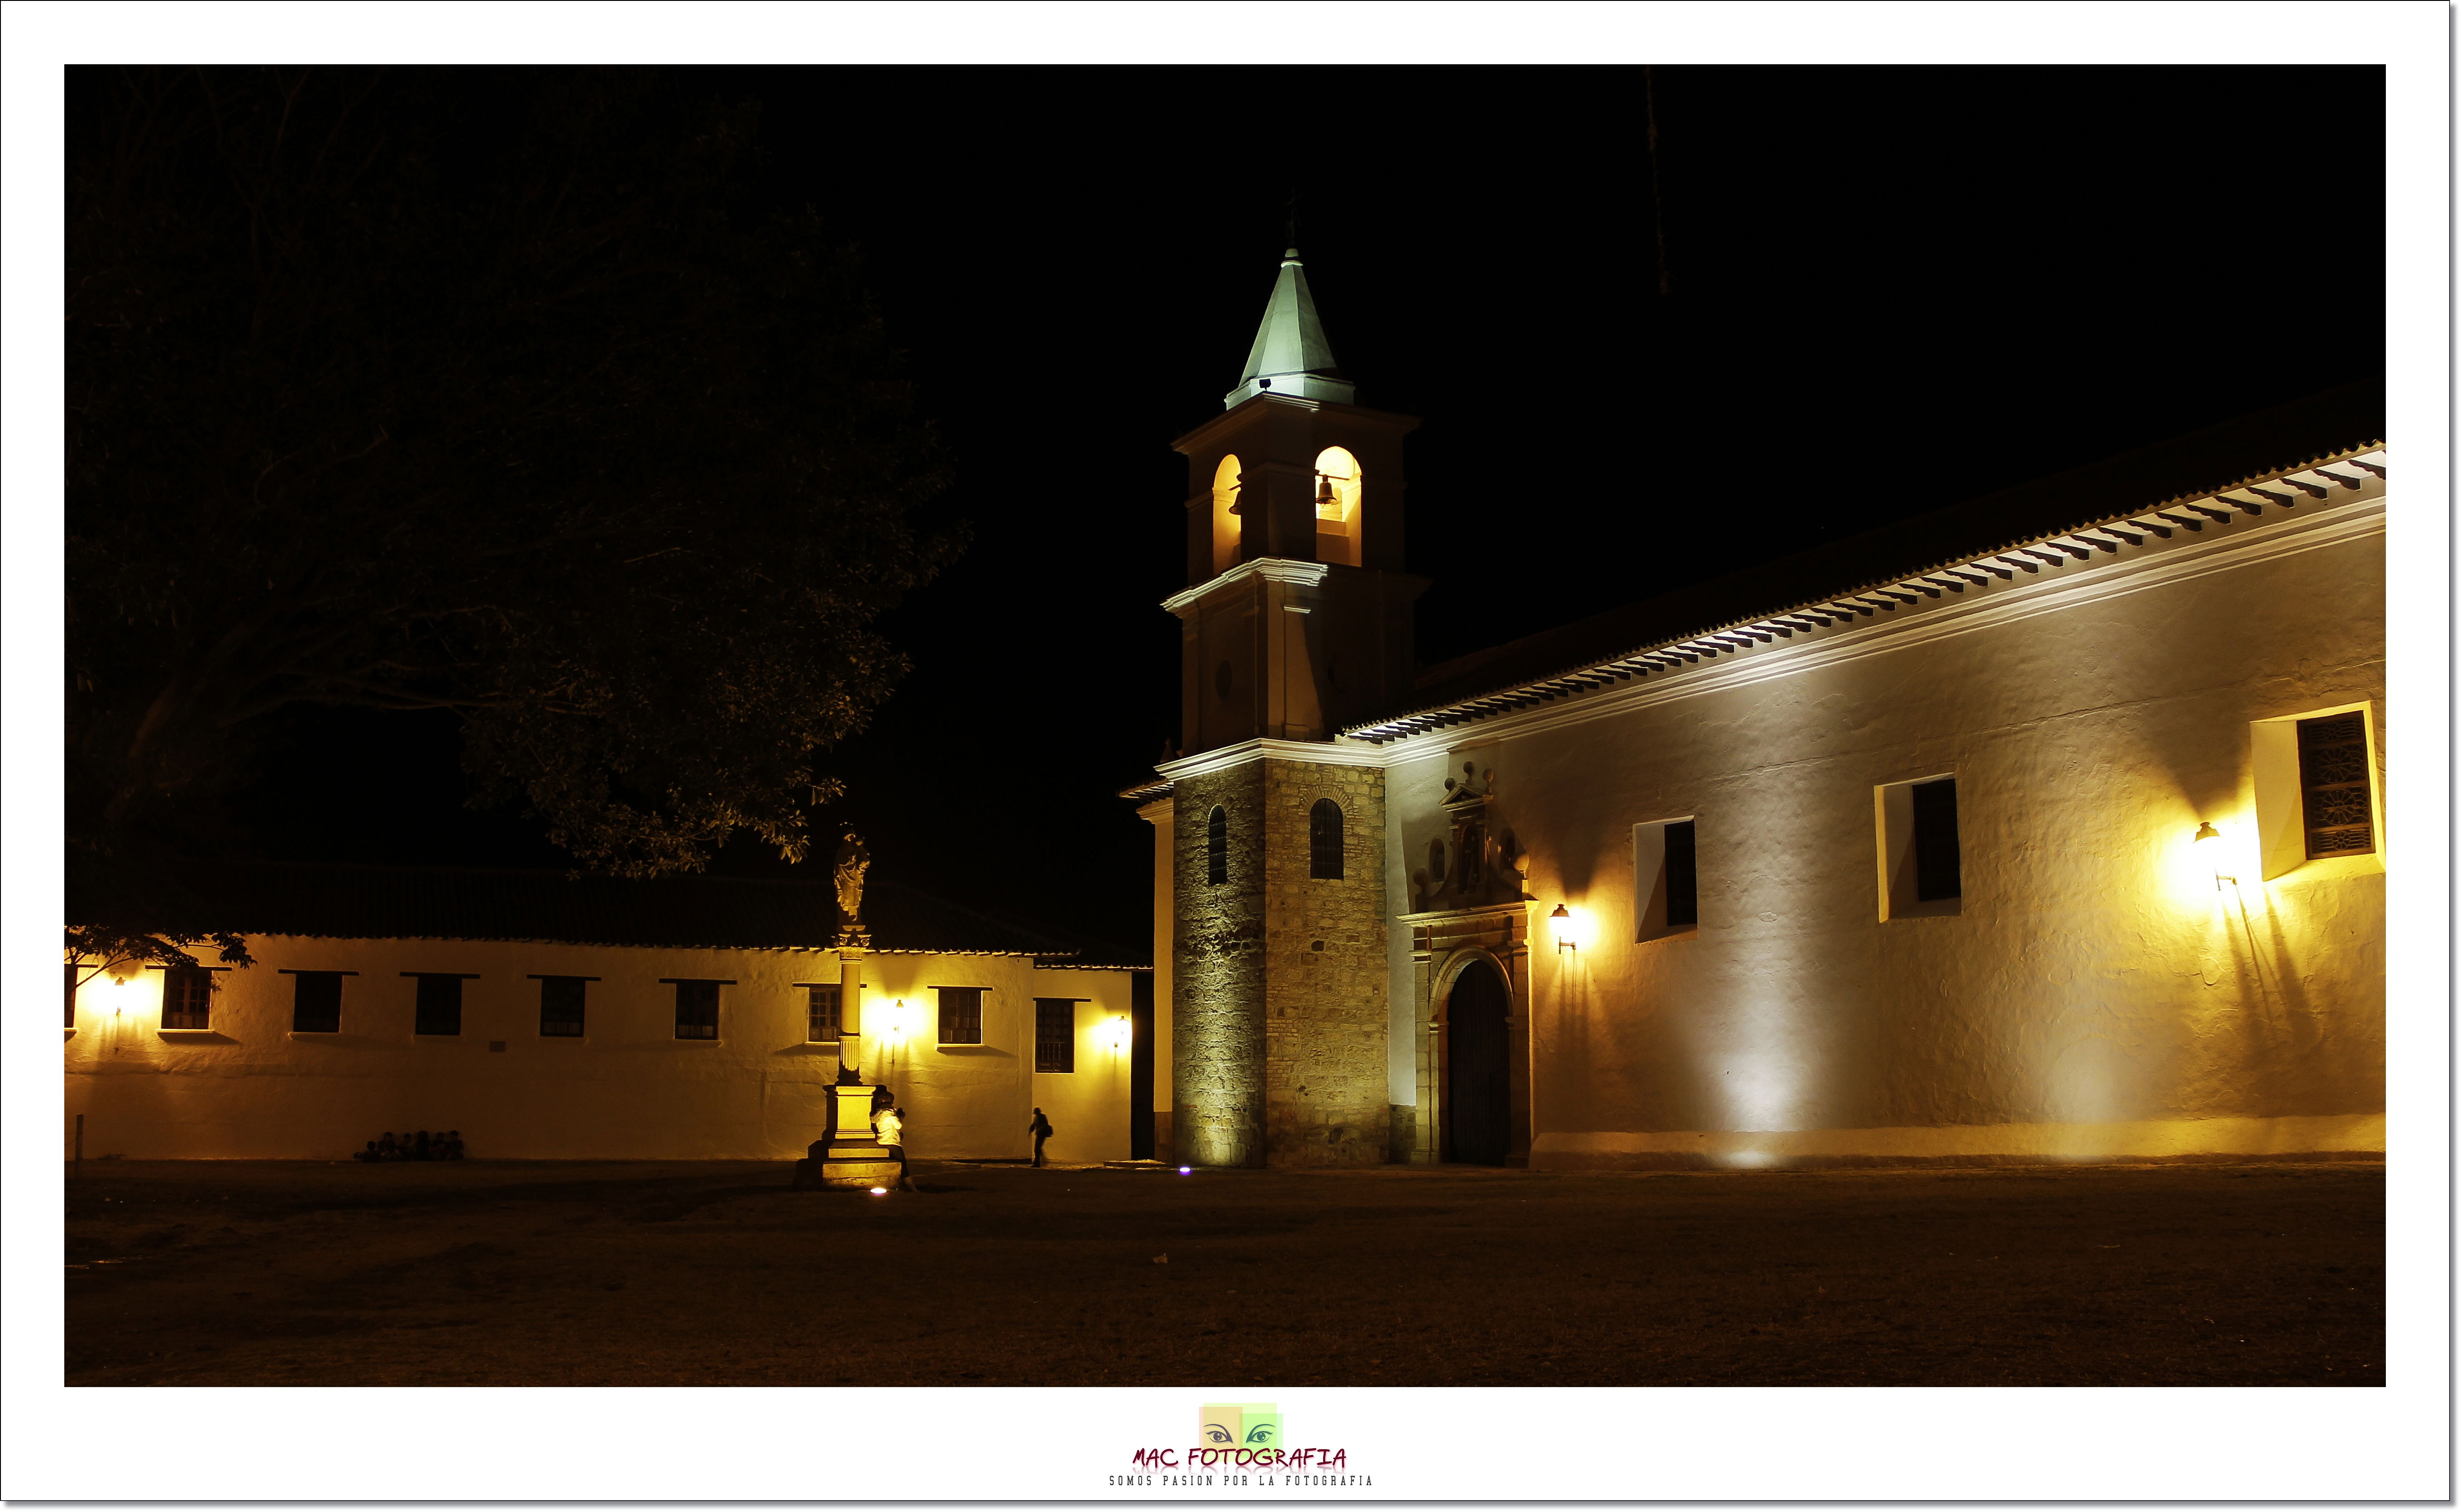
(1478, 1061)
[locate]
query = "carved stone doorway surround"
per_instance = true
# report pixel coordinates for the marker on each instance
(1442, 944)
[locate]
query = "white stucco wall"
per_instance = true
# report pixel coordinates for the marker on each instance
(2095, 995)
(628, 1090)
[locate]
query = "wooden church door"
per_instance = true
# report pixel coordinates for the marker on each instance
(1478, 1059)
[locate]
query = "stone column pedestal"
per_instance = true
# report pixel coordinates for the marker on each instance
(849, 1157)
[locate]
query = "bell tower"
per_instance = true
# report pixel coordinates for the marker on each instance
(1295, 621)
(1297, 617)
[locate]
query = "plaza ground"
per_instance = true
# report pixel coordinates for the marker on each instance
(511, 1274)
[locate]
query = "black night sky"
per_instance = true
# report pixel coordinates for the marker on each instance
(1889, 289)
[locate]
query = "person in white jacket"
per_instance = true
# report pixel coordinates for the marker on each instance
(889, 1128)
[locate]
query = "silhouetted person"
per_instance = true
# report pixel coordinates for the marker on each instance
(452, 1144)
(418, 1150)
(388, 1148)
(1041, 1129)
(890, 1130)
(370, 1154)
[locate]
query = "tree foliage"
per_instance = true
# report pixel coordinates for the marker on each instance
(491, 393)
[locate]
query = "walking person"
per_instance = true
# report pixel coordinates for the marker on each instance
(889, 1128)
(1041, 1129)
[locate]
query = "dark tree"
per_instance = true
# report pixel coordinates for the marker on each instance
(488, 391)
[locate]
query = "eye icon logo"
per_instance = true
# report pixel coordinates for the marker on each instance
(1239, 1425)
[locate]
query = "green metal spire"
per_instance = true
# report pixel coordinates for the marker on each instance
(1290, 354)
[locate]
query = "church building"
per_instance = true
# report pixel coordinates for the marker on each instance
(2047, 828)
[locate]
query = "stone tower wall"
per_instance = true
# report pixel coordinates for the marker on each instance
(1327, 1087)
(1217, 1026)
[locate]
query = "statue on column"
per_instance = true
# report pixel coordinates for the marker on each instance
(853, 861)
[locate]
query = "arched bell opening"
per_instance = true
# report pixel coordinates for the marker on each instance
(1336, 506)
(1225, 515)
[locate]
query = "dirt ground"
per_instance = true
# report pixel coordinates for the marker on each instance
(510, 1273)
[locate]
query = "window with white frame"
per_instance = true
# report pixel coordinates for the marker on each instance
(961, 1014)
(1922, 868)
(1665, 879)
(2318, 790)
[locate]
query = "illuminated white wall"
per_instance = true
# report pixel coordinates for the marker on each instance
(630, 1090)
(2095, 994)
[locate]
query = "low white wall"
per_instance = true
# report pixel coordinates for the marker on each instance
(250, 1087)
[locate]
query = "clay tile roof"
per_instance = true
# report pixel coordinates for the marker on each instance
(381, 903)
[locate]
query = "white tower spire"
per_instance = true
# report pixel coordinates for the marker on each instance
(1290, 354)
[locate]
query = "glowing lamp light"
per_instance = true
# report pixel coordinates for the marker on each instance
(1567, 932)
(1184, 1169)
(2205, 831)
(1121, 1030)
(880, 1191)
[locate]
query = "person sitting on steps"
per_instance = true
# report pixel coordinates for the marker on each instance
(889, 1128)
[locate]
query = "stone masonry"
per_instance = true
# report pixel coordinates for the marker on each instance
(1327, 1093)
(1278, 985)
(1217, 982)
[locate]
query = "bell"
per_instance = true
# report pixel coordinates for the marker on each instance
(1327, 507)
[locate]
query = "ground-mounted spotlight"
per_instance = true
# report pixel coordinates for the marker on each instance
(880, 1191)
(1184, 1169)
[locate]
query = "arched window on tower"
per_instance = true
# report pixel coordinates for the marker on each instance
(1336, 506)
(1225, 515)
(1217, 847)
(1325, 841)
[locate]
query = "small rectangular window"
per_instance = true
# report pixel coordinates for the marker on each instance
(1665, 880)
(821, 1022)
(2319, 792)
(1936, 874)
(440, 1005)
(2336, 799)
(563, 1003)
(1055, 1034)
(1922, 863)
(188, 998)
(697, 1010)
(71, 995)
(961, 1014)
(316, 1003)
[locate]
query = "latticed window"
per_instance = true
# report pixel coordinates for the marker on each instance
(316, 1003)
(71, 1022)
(1217, 847)
(563, 1004)
(961, 1016)
(440, 1005)
(188, 998)
(1055, 1034)
(2335, 791)
(697, 1010)
(1937, 871)
(820, 1013)
(1325, 841)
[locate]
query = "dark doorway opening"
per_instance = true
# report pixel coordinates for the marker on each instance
(1478, 1073)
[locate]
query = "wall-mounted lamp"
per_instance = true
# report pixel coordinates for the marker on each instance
(1122, 1032)
(2205, 831)
(1567, 934)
